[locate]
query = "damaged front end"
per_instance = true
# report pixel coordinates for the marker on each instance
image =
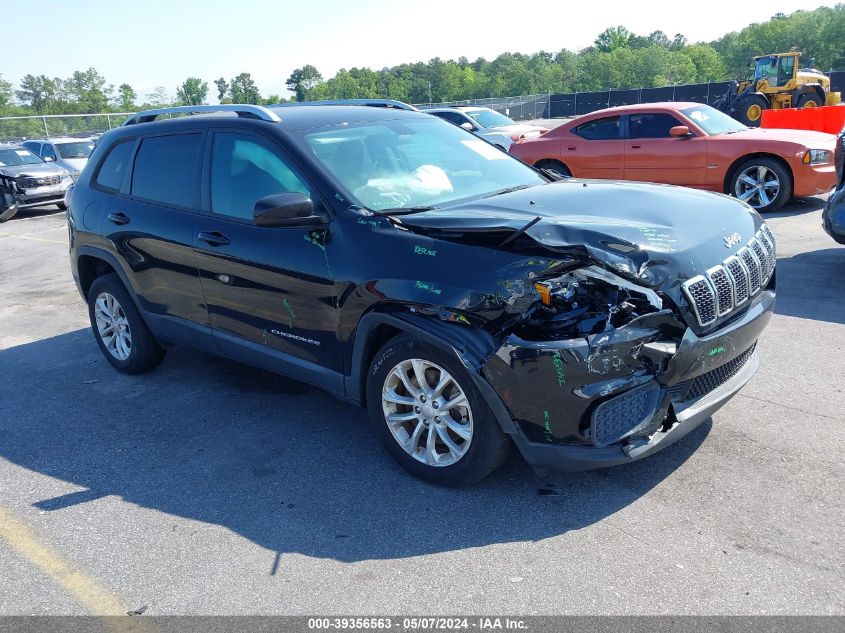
(603, 371)
(643, 323)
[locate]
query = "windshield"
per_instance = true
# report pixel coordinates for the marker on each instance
(17, 156)
(79, 149)
(765, 68)
(712, 121)
(488, 118)
(400, 164)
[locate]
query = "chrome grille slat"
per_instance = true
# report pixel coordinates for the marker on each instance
(739, 277)
(760, 252)
(31, 182)
(727, 286)
(721, 283)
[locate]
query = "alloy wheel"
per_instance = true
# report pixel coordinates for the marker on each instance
(427, 412)
(113, 326)
(758, 186)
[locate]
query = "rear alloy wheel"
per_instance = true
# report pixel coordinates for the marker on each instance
(763, 183)
(121, 333)
(430, 416)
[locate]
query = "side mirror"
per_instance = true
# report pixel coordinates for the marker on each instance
(469, 127)
(285, 209)
(679, 131)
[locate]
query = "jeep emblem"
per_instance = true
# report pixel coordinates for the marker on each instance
(732, 239)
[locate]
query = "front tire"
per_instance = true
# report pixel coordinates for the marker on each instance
(764, 183)
(750, 108)
(120, 332)
(430, 416)
(8, 213)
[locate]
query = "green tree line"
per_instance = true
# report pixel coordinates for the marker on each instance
(618, 58)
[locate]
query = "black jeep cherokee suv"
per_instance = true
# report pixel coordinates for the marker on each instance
(399, 262)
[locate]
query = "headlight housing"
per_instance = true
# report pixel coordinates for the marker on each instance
(817, 156)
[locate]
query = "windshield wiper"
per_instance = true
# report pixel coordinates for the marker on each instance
(404, 210)
(506, 190)
(516, 234)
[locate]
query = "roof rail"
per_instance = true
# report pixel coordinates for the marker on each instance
(246, 111)
(376, 103)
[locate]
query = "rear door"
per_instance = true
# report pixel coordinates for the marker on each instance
(151, 221)
(653, 155)
(269, 289)
(595, 149)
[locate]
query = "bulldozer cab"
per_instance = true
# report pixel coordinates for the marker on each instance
(777, 70)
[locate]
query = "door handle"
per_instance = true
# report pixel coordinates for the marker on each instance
(213, 239)
(571, 149)
(119, 218)
(636, 146)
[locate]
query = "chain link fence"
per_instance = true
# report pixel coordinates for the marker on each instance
(19, 128)
(521, 108)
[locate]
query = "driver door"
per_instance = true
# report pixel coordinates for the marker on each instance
(268, 289)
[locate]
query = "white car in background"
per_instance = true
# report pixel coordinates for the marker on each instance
(490, 125)
(68, 152)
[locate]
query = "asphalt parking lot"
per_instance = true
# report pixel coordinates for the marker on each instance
(207, 487)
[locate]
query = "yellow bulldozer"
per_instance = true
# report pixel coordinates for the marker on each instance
(778, 83)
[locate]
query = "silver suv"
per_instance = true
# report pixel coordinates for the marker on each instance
(490, 125)
(26, 180)
(68, 152)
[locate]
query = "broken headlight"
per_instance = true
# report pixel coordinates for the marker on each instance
(587, 301)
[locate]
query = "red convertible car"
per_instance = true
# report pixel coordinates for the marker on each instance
(688, 144)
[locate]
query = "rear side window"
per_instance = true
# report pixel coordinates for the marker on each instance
(166, 169)
(115, 165)
(654, 125)
(608, 128)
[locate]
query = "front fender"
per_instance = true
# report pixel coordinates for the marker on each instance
(471, 345)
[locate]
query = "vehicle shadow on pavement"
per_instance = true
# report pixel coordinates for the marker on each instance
(811, 285)
(798, 206)
(282, 464)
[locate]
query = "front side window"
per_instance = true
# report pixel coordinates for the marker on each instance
(47, 151)
(606, 129)
(245, 169)
(110, 175)
(786, 67)
(651, 125)
(413, 162)
(166, 169)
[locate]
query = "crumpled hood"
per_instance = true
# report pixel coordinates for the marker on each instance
(658, 235)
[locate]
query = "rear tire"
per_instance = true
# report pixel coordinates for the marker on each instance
(449, 446)
(764, 183)
(554, 166)
(808, 100)
(120, 332)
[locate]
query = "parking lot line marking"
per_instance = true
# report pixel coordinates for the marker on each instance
(35, 239)
(96, 598)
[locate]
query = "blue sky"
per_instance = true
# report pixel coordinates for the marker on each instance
(149, 43)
